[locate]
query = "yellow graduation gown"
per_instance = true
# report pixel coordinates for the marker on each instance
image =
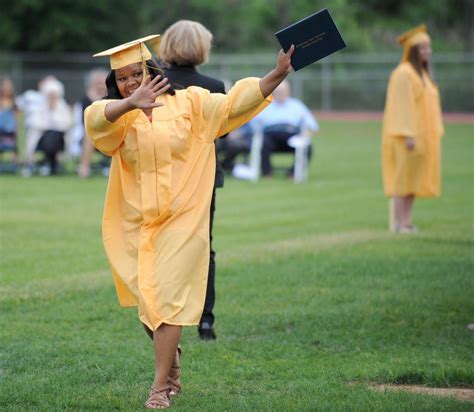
(156, 214)
(412, 109)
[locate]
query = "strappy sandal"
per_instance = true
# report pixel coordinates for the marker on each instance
(158, 399)
(174, 375)
(407, 229)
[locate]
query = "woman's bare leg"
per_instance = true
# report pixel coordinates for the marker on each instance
(403, 211)
(392, 223)
(165, 343)
(85, 165)
(148, 331)
(408, 200)
(398, 204)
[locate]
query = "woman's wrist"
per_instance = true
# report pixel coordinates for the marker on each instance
(128, 104)
(278, 76)
(271, 81)
(116, 109)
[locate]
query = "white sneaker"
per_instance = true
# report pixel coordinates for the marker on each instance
(44, 171)
(26, 172)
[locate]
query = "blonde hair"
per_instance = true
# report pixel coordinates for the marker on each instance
(186, 43)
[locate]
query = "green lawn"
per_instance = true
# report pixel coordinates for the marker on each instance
(315, 297)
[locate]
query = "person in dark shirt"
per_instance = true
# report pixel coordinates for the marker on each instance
(184, 46)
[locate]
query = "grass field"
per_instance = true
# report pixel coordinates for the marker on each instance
(315, 298)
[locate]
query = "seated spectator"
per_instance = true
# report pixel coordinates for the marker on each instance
(8, 119)
(283, 118)
(28, 102)
(79, 145)
(237, 142)
(49, 122)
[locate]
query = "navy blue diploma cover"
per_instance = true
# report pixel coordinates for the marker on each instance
(314, 37)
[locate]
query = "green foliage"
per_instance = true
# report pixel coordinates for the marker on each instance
(86, 25)
(315, 297)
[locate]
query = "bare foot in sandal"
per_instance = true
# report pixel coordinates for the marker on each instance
(158, 399)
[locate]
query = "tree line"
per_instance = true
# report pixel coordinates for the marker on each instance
(238, 26)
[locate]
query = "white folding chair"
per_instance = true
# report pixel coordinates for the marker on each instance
(301, 144)
(252, 170)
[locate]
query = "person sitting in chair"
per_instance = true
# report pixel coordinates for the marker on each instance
(237, 142)
(49, 123)
(285, 117)
(8, 120)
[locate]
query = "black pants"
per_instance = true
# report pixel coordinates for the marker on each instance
(207, 315)
(274, 142)
(277, 142)
(51, 143)
(234, 147)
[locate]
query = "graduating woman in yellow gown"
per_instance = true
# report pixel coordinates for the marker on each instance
(156, 213)
(412, 130)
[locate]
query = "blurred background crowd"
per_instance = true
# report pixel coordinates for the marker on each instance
(48, 77)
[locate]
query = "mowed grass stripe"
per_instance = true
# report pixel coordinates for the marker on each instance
(51, 287)
(313, 294)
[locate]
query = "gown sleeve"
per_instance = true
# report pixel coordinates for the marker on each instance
(400, 116)
(105, 135)
(214, 114)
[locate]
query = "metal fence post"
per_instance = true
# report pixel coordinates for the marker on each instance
(326, 75)
(297, 86)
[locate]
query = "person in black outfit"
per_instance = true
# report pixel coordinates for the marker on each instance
(185, 45)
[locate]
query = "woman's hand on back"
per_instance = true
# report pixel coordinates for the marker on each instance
(144, 97)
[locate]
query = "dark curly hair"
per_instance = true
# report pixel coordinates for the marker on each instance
(113, 91)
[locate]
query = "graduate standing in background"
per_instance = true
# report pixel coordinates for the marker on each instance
(412, 130)
(156, 214)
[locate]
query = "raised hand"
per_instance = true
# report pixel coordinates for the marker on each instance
(284, 61)
(271, 80)
(145, 95)
(142, 98)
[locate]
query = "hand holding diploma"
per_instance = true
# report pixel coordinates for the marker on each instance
(278, 74)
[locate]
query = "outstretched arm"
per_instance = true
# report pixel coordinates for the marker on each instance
(278, 74)
(215, 114)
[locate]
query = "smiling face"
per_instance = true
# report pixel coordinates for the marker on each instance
(129, 78)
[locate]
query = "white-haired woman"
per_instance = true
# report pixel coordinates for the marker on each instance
(50, 120)
(185, 45)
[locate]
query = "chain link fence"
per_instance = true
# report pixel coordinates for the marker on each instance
(345, 81)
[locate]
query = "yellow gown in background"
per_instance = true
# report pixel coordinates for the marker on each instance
(412, 109)
(156, 214)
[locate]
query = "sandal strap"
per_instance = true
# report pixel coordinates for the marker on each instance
(176, 362)
(159, 397)
(157, 391)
